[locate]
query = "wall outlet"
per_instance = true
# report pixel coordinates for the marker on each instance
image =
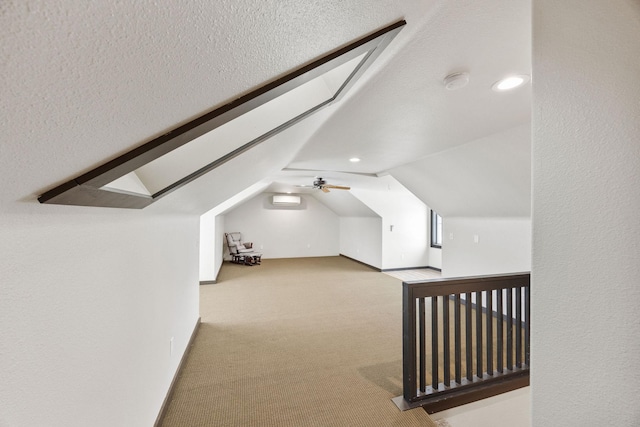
(171, 347)
(476, 239)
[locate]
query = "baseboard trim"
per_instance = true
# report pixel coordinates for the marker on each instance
(483, 392)
(468, 394)
(410, 268)
(391, 269)
(167, 399)
(360, 262)
(215, 280)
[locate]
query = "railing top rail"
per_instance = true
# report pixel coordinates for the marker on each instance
(460, 285)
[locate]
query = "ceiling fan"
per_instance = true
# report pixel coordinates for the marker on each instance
(321, 184)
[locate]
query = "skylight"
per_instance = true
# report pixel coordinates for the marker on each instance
(141, 176)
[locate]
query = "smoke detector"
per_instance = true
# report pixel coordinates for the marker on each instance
(456, 80)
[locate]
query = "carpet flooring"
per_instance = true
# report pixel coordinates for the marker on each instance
(296, 342)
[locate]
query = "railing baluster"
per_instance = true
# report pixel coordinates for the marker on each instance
(468, 332)
(434, 343)
(409, 352)
(511, 290)
(527, 315)
(499, 331)
(510, 329)
(422, 344)
(458, 339)
(479, 369)
(489, 320)
(446, 341)
(519, 327)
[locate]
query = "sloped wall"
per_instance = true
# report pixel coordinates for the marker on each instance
(487, 177)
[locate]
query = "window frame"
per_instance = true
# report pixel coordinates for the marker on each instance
(436, 230)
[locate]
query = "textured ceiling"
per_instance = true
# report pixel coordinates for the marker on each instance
(86, 82)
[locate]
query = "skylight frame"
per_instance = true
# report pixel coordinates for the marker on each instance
(88, 189)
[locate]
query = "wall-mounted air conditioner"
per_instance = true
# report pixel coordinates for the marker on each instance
(285, 200)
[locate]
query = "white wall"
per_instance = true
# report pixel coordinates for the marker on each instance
(211, 245)
(220, 244)
(89, 301)
(435, 257)
(307, 230)
(361, 239)
(408, 244)
(586, 199)
(511, 409)
(207, 247)
(504, 246)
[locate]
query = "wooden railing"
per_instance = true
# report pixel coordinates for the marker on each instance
(479, 333)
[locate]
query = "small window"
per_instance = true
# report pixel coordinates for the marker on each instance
(436, 230)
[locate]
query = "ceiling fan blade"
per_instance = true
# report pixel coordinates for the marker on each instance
(338, 187)
(324, 189)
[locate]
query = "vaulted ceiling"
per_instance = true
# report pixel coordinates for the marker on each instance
(84, 83)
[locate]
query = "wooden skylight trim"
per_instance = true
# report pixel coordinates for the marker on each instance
(87, 189)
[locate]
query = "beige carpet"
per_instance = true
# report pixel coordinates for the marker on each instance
(296, 342)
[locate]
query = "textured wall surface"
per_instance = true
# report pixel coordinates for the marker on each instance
(586, 233)
(89, 304)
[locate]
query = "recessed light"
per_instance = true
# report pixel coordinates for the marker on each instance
(510, 82)
(354, 160)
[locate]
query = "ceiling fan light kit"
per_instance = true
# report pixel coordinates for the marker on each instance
(320, 184)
